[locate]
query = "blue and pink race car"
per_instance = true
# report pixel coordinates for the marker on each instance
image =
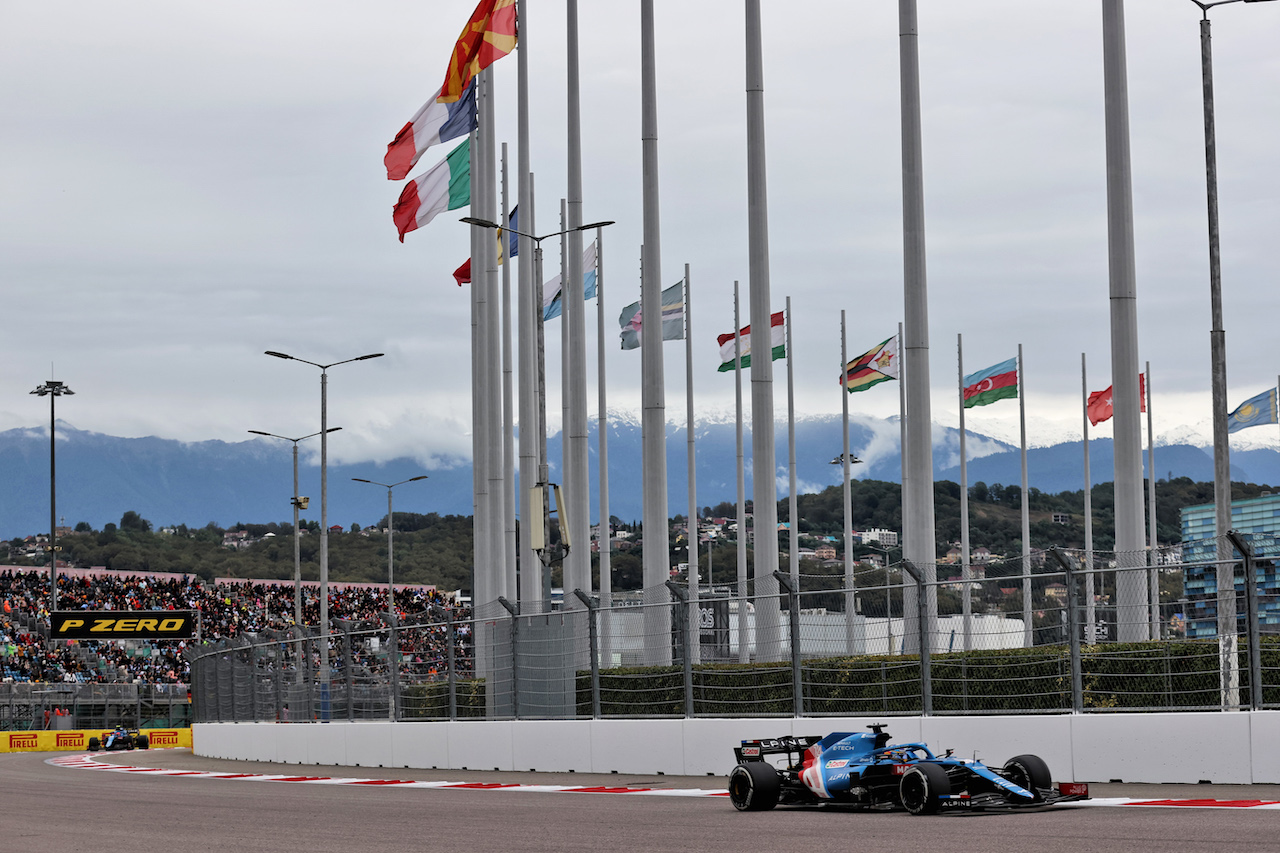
(867, 770)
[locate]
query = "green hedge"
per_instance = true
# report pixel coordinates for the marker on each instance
(430, 700)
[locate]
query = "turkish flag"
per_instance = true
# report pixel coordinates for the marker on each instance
(1099, 408)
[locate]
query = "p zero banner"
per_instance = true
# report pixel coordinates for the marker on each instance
(66, 741)
(123, 624)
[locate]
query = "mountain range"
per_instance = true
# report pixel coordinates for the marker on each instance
(169, 482)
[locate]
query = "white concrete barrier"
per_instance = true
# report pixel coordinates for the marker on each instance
(1222, 748)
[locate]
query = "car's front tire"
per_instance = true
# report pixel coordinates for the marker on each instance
(754, 786)
(1030, 772)
(142, 742)
(921, 788)
(94, 744)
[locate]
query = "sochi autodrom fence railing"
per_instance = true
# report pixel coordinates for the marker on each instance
(1086, 639)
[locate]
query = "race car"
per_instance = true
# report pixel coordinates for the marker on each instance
(866, 770)
(119, 739)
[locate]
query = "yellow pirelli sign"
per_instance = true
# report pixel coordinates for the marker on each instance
(70, 741)
(122, 624)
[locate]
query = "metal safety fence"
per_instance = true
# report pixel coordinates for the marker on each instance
(1055, 635)
(38, 705)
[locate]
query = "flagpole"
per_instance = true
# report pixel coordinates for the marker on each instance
(793, 510)
(1027, 635)
(529, 564)
(510, 584)
(966, 571)
(1154, 571)
(480, 590)
(902, 432)
(691, 523)
(577, 566)
(744, 648)
(566, 460)
(846, 494)
(1089, 611)
(657, 561)
(763, 486)
(602, 441)
(494, 459)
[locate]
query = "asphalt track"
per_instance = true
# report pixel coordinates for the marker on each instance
(46, 808)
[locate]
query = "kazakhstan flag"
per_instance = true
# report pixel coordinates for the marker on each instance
(1255, 411)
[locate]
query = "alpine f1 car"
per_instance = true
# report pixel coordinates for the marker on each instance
(120, 739)
(866, 770)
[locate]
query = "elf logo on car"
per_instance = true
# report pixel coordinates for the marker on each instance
(838, 763)
(26, 741)
(901, 769)
(163, 738)
(69, 740)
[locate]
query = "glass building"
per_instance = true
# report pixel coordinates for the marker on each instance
(1258, 522)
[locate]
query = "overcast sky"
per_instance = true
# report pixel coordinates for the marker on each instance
(185, 185)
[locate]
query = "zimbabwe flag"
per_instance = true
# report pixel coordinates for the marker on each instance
(876, 365)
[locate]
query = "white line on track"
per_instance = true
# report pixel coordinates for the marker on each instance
(87, 762)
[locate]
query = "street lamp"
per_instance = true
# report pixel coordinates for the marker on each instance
(545, 553)
(298, 503)
(1225, 581)
(53, 389)
(324, 508)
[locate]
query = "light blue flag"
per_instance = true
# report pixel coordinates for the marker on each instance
(1255, 411)
(551, 307)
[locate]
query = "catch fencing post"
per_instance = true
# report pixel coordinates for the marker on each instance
(593, 608)
(926, 664)
(793, 604)
(253, 685)
(450, 662)
(1073, 629)
(1251, 619)
(680, 606)
(393, 661)
(514, 610)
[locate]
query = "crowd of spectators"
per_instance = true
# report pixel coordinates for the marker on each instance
(227, 608)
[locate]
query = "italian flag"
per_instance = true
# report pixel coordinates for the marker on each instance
(998, 382)
(445, 186)
(777, 339)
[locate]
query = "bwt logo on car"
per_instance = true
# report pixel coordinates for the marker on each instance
(163, 738)
(27, 741)
(69, 740)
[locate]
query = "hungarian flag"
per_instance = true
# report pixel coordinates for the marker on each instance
(1099, 407)
(487, 37)
(876, 365)
(445, 186)
(431, 125)
(998, 382)
(777, 340)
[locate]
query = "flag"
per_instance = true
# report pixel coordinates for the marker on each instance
(876, 365)
(672, 318)
(487, 37)
(1255, 411)
(432, 124)
(998, 382)
(1099, 406)
(445, 186)
(777, 340)
(462, 275)
(512, 246)
(551, 306)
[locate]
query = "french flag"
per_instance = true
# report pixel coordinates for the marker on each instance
(432, 124)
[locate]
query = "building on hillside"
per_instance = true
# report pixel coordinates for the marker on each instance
(888, 538)
(1258, 521)
(825, 552)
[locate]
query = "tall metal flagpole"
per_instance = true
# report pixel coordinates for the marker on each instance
(966, 568)
(1131, 587)
(567, 461)
(850, 595)
(793, 511)
(691, 523)
(480, 589)
(763, 488)
(1027, 634)
(510, 585)
(577, 565)
(657, 556)
(602, 439)
(530, 566)
(1153, 570)
(1089, 612)
(494, 569)
(919, 544)
(744, 646)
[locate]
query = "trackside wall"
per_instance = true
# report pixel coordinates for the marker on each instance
(1222, 748)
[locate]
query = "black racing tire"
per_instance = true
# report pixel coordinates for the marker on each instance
(142, 742)
(754, 786)
(94, 744)
(1030, 772)
(922, 786)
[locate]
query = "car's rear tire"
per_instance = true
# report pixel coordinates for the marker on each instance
(921, 788)
(142, 742)
(754, 786)
(94, 744)
(1030, 772)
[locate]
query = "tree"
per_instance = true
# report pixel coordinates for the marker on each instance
(134, 523)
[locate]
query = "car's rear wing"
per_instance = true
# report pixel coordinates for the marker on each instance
(756, 750)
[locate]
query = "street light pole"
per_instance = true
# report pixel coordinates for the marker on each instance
(298, 503)
(324, 510)
(53, 389)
